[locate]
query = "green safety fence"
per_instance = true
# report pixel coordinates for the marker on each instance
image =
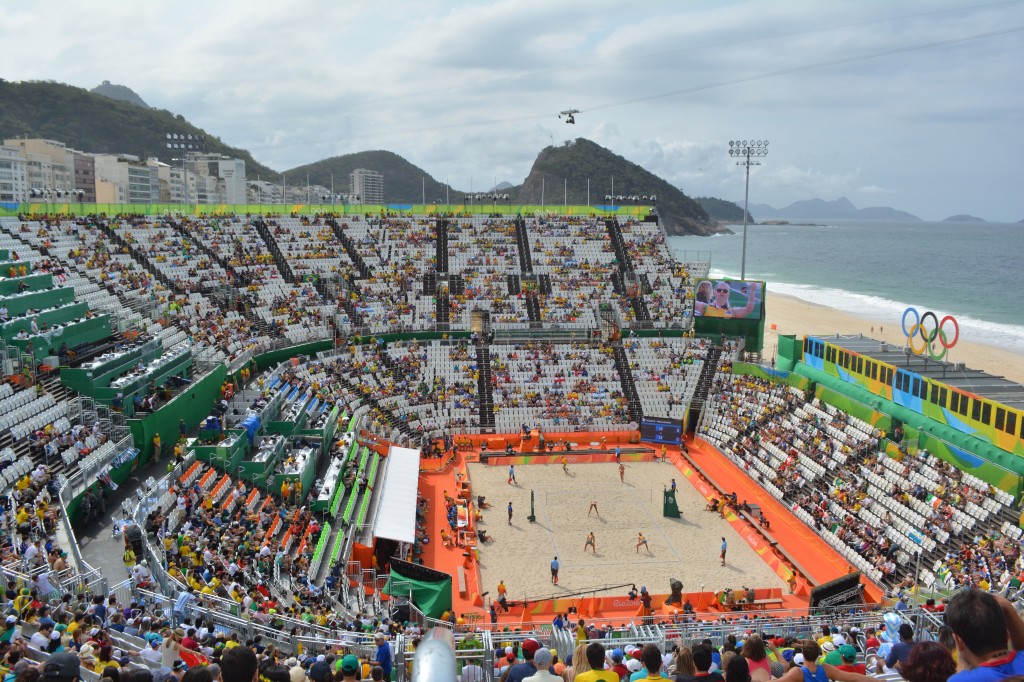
(366, 498)
(321, 544)
(350, 506)
(339, 542)
(339, 494)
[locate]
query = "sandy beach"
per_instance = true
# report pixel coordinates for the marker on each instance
(794, 316)
(685, 549)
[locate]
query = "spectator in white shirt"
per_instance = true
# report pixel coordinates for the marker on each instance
(41, 638)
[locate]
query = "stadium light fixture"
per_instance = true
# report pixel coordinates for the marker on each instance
(183, 143)
(747, 153)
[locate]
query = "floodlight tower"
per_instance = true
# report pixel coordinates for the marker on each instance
(743, 151)
(184, 144)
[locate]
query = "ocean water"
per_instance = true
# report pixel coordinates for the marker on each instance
(877, 270)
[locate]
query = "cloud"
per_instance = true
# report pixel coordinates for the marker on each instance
(472, 89)
(874, 190)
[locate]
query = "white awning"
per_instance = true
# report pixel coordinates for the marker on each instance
(396, 516)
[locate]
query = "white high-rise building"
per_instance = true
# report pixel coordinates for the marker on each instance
(215, 179)
(125, 179)
(13, 176)
(366, 187)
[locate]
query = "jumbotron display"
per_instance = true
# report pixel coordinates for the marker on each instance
(734, 299)
(659, 430)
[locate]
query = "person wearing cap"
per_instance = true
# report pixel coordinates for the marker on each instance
(297, 673)
(520, 671)
(542, 660)
(152, 653)
(61, 667)
(320, 671)
(10, 629)
(618, 667)
(848, 653)
(382, 656)
(349, 668)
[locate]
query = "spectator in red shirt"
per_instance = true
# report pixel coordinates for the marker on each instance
(850, 664)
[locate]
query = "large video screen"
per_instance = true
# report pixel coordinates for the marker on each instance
(733, 299)
(658, 430)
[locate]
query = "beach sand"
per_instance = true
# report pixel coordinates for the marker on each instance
(794, 316)
(686, 549)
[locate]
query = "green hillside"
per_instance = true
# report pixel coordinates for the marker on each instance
(403, 181)
(722, 210)
(93, 123)
(561, 174)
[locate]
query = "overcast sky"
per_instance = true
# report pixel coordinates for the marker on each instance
(856, 98)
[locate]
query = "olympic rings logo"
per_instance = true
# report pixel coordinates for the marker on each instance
(928, 337)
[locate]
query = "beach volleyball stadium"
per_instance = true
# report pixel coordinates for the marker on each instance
(463, 431)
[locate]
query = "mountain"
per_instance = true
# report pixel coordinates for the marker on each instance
(94, 123)
(963, 218)
(561, 174)
(403, 181)
(501, 187)
(121, 93)
(722, 210)
(839, 209)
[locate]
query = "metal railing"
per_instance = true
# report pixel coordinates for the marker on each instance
(435, 657)
(84, 476)
(216, 609)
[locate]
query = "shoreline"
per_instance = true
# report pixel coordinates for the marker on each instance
(792, 315)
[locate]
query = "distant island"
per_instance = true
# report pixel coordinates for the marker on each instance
(839, 209)
(963, 218)
(786, 222)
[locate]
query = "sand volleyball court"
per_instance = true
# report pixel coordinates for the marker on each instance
(686, 548)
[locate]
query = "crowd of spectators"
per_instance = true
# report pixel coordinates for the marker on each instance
(834, 471)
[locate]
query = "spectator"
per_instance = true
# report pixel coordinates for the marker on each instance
(542, 660)
(930, 662)
(702, 660)
(900, 650)
(594, 671)
(981, 624)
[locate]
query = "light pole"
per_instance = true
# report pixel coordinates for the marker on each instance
(184, 144)
(743, 151)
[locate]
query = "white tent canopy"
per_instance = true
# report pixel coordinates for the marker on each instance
(396, 516)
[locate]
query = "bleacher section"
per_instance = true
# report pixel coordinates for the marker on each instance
(123, 304)
(877, 511)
